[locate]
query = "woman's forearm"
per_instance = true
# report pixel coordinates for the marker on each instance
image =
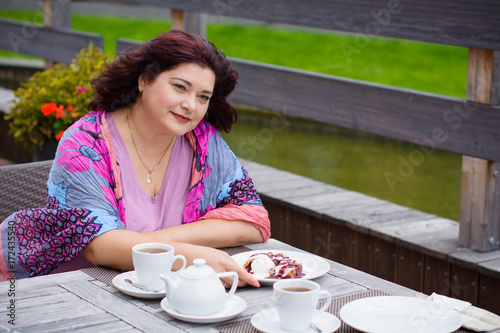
(114, 249)
(216, 233)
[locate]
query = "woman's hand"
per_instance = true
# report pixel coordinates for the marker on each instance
(220, 261)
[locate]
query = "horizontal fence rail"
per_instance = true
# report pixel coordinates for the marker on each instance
(433, 121)
(440, 122)
(456, 22)
(55, 44)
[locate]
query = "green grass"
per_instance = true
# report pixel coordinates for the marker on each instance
(415, 65)
(421, 66)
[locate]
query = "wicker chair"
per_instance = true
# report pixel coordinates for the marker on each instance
(23, 186)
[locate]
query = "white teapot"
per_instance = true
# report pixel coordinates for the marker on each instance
(197, 290)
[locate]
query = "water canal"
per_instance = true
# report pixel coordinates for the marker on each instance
(403, 173)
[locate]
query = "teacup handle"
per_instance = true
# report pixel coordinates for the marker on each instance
(180, 256)
(323, 294)
(235, 281)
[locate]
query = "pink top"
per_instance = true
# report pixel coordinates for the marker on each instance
(142, 211)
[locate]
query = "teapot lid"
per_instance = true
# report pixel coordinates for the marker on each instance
(199, 269)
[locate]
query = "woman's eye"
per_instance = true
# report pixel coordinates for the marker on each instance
(204, 98)
(180, 86)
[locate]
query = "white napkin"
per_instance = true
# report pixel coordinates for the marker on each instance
(473, 318)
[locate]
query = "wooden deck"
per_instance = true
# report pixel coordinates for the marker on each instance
(396, 243)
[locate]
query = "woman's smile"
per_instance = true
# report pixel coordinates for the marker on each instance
(181, 118)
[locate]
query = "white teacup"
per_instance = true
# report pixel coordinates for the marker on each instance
(297, 301)
(152, 259)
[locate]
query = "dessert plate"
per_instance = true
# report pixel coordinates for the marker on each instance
(312, 265)
(268, 321)
(234, 306)
(126, 288)
(396, 314)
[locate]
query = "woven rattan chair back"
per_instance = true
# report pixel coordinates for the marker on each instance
(23, 186)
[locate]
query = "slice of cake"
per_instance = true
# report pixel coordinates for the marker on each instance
(273, 266)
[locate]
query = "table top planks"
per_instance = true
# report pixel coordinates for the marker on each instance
(78, 302)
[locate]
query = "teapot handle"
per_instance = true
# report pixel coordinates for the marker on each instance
(235, 281)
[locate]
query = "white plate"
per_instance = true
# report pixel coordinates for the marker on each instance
(312, 266)
(397, 314)
(124, 287)
(235, 305)
(267, 321)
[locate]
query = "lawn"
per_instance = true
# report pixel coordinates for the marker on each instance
(415, 65)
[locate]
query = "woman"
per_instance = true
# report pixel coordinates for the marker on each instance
(148, 165)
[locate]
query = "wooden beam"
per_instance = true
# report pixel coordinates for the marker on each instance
(47, 13)
(59, 45)
(47, 22)
(56, 15)
(177, 19)
(196, 23)
(480, 194)
(435, 121)
(61, 14)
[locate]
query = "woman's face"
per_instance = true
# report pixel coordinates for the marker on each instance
(177, 100)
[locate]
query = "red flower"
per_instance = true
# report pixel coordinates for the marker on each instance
(60, 112)
(70, 107)
(59, 135)
(49, 108)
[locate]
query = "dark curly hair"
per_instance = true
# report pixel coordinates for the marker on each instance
(117, 86)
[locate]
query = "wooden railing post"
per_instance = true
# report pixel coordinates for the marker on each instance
(189, 21)
(480, 194)
(196, 23)
(56, 14)
(177, 19)
(47, 21)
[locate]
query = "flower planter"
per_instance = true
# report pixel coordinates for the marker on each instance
(52, 100)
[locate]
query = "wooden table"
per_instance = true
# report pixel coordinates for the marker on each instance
(86, 301)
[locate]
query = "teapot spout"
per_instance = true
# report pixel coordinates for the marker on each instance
(170, 283)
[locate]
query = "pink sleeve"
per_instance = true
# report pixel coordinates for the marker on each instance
(256, 215)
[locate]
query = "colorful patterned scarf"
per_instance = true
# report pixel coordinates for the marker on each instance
(84, 198)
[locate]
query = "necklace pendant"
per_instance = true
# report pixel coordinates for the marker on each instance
(149, 178)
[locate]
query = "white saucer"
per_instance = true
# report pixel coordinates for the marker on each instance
(267, 321)
(124, 287)
(235, 305)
